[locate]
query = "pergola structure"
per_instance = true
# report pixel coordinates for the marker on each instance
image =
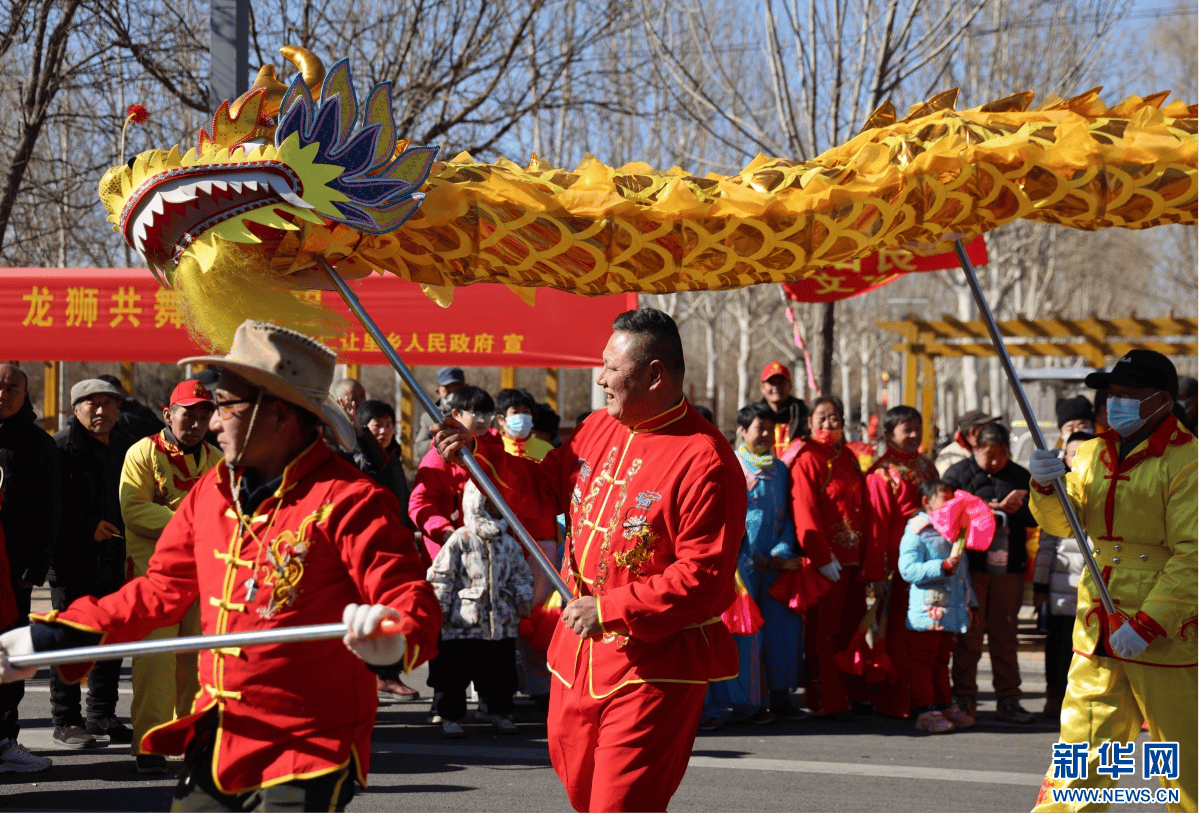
(1093, 338)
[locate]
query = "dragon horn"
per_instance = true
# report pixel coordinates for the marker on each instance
(274, 90)
(310, 65)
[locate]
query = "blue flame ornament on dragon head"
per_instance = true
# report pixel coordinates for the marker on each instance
(334, 167)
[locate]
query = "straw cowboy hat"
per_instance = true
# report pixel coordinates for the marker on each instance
(288, 365)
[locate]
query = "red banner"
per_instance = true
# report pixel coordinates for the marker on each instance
(123, 315)
(856, 277)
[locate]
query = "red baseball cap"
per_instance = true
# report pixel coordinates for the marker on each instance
(189, 393)
(776, 369)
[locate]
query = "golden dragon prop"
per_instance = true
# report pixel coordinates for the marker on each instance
(292, 173)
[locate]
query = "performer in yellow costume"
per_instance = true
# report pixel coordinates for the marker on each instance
(159, 471)
(1135, 491)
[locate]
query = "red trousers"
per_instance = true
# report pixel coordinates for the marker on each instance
(893, 697)
(929, 652)
(627, 752)
(829, 627)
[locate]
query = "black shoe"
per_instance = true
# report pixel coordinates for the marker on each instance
(74, 737)
(109, 730)
(151, 764)
(862, 708)
(790, 712)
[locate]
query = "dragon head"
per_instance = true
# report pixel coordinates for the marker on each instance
(278, 158)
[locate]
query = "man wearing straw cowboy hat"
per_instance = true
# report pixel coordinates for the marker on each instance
(285, 534)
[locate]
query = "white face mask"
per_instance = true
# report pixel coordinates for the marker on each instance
(1124, 415)
(519, 425)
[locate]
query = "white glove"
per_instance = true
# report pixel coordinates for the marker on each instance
(1045, 466)
(832, 571)
(361, 621)
(16, 642)
(1126, 642)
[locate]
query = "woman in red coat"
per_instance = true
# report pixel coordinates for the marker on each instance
(894, 484)
(832, 511)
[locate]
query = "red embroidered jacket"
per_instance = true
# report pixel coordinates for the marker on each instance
(894, 486)
(332, 537)
(831, 508)
(655, 515)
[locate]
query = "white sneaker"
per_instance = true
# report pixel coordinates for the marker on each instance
(16, 758)
(451, 729)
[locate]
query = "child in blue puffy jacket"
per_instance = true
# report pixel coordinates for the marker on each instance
(940, 604)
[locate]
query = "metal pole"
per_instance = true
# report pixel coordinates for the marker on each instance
(1059, 485)
(229, 51)
(185, 644)
(468, 460)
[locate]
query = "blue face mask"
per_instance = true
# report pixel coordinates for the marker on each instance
(1124, 415)
(519, 425)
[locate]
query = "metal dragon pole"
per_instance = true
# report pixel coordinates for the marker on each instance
(187, 644)
(1059, 484)
(468, 460)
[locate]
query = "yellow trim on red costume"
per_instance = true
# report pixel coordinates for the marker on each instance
(357, 765)
(612, 482)
(495, 476)
(141, 746)
(411, 655)
(52, 617)
(228, 558)
(663, 419)
(274, 781)
(626, 683)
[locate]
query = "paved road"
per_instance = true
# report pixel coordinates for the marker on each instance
(870, 765)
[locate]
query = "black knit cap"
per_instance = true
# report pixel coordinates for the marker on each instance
(1074, 409)
(1139, 368)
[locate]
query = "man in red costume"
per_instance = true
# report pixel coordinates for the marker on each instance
(656, 505)
(894, 485)
(285, 534)
(832, 524)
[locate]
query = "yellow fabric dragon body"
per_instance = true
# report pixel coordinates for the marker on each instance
(290, 173)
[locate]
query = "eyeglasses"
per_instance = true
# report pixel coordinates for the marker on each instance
(225, 407)
(485, 418)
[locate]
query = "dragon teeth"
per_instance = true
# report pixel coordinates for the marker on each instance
(181, 195)
(139, 233)
(286, 194)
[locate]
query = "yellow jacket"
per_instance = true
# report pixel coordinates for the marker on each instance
(531, 447)
(157, 475)
(1140, 515)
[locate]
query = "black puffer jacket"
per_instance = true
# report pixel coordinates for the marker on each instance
(968, 476)
(32, 488)
(794, 413)
(91, 493)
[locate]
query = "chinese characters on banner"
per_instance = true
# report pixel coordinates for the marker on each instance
(855, 277)
(123, 315)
